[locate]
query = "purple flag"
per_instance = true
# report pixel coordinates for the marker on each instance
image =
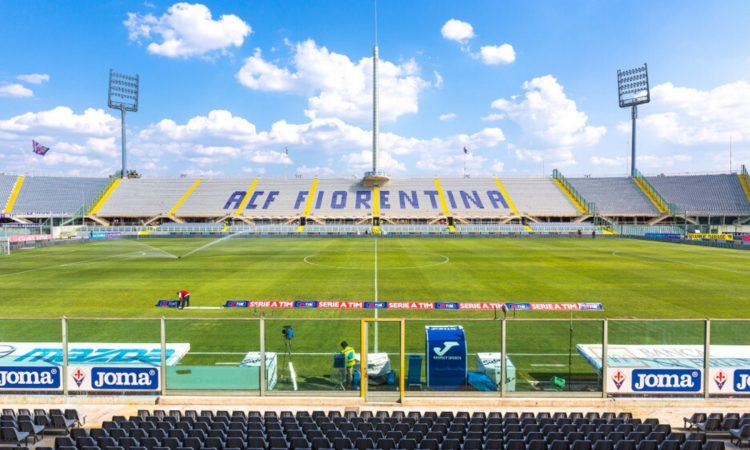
(465, 151)
(39, 149)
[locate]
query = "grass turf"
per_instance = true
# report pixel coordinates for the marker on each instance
(124, 278)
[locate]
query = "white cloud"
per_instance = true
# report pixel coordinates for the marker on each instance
(187, 30)
(688, 116)
(361, 161)
(493, 117)
(218, 125)
(438, 79)
(497, 54)
(550, 121)
(268, 157)
(337, 86)
(34, 78)
(457, 30)
(15, 90)
(317, 171)
(447, 116)
(94, 122)
(655, 162)
(498, 166)
(220, 142)
(609, 162)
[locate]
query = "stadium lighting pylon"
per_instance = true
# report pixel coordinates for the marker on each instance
(633, 90)
(123, 95)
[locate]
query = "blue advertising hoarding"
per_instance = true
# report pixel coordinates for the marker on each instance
(445, 353)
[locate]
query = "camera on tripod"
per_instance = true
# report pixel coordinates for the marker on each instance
(288, 332)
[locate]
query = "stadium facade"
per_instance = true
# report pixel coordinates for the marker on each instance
(453, 204)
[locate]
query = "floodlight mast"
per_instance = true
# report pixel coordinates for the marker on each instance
(633, 90)
(123, 95)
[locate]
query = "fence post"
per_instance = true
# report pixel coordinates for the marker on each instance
(64, 368)
(706, 356)
(262, 377)
(605, 357)
(503, 358)
(163, 346)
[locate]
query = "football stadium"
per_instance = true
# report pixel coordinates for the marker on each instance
(464, 310)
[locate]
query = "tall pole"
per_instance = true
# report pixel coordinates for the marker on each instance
(375, 108)
(375, 96)
(376, 294)
(124, 173)
(632, 141)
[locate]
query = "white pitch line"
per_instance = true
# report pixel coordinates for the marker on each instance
(204, 307)
(547, 365)
(77, 263)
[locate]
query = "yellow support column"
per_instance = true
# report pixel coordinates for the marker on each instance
(184, 197)
(309, 202)
(658, 204)
(745, 186)
(570, 196)
(246, 198)
(511, 205)
(105, 197)
(14, 195)
(443, 204)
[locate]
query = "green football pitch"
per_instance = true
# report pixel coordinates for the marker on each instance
(124, 278)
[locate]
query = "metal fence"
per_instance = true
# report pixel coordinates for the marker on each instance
(267, 356)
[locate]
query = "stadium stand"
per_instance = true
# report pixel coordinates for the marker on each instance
(539, 196)
(412, 199)
(429, 430)
(56, 196)
(605, 202)
(475, 198)
(342, 199)
(617, 196)
(703, 194)
(145, 198)
(209, 198)
(6, 186)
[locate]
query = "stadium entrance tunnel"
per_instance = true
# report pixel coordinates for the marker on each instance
(386, 261)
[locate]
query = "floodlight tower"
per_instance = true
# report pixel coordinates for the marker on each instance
(123, 95)
(633, 90)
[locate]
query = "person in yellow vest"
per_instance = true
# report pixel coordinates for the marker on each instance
(348, 352)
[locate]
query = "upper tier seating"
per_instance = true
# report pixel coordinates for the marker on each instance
(341, 198)
(413, 198)
(140, 197)
(615, 196)
(475, 198)
(6, 186)
(210, 197)
(703, 194)
(539, 196)
(56, 196)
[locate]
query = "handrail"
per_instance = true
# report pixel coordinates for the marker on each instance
(588, 207)
(660, 203)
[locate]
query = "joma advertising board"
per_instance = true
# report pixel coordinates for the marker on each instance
(91, 366)
(672, 368)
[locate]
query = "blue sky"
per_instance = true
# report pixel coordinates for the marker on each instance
(226, 87)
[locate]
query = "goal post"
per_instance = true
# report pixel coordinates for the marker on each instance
(4, 246)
